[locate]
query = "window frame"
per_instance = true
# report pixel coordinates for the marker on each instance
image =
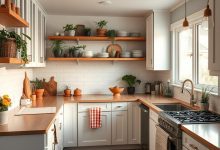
(195, 20)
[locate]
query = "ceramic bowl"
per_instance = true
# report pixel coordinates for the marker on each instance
(122, 33)
(116, 90)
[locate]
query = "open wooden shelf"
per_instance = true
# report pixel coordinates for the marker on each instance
(94, 38)
(10, 60)
(9, 18)
(95, 59)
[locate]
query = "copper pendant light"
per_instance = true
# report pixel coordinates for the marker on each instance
(185, 22)
(208, 11)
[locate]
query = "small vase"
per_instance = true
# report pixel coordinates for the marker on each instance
(204, 106)
(3, 117)
(131, 90)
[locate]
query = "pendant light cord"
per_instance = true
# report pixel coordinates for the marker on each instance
(185, 8)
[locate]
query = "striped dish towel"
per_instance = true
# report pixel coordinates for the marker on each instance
(95, 118)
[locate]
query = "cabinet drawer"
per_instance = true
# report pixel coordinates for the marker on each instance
(84, 107)
(154, 116)
(119, 106)
(191, 143)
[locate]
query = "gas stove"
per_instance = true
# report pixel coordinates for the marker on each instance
(192, 117)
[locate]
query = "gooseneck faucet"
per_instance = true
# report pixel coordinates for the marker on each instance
(192, 100)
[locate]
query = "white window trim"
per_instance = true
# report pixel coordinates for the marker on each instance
(194, 20)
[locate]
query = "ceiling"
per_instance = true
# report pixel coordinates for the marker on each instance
(117, 8)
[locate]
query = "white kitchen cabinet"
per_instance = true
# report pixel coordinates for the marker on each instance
(33, 13)
(134, 123)
(70, 125)
(191, 144)
(153, 121)
(119, 128)
(94, 137)
(59, 129)
(158, 41)
(214, 36)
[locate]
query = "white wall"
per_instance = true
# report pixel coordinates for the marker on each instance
(95, 77)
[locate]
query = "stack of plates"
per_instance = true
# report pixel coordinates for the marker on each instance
(125, 54)
(103, 55)
(137, 53)
(135, 34)
(122, 33)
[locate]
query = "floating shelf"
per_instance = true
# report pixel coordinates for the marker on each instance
(95, 59)
(94, 38)
(9, 18)
(10, 60)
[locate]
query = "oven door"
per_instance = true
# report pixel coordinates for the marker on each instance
(173, 143)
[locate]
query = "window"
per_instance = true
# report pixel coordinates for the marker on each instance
(190, 53)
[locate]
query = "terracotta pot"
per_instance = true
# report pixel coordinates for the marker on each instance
(101, 32)
(204, 106)
(3, 117)
(77, 92)
(39, 93)
(67, 92)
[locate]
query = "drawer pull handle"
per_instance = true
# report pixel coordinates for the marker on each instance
(193, 147)
(119, 106)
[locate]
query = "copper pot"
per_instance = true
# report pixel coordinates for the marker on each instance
(67, 92)
(77, 92)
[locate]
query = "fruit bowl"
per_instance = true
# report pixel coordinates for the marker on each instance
(116, 90)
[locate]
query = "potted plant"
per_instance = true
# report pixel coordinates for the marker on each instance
(11, 43)
(39, 89)
(87, 32)
(69, 30)
(75, 50)
(131, 81)
(67, 91)
(101, 31)
(205, 99)
(57, 48)
(5, 102)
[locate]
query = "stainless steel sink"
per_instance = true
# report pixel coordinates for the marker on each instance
(173, 107)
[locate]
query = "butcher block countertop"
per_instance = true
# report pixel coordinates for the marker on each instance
(39, 124)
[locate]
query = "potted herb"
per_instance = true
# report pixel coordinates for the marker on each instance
(39, 89)
(87, 32)
(205, 99)
(69, 30)
(57, 48)
(76, 51)
(101, 31)
(11, 43)
(131, 81)
(67, 91)
(5, 102)
(112, 34)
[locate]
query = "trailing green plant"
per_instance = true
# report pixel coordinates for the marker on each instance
(101, 24)
(111, 34)
(74, 48)
(206, 92)
(37, 84)
(19, 40)
(69, 27)
(130, 80)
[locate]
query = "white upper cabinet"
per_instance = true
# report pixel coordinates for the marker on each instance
(158, 41)
(36, 16)
(214, 36)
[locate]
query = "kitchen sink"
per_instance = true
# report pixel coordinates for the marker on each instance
(173, 107)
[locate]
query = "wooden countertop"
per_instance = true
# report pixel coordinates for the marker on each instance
(207, 134)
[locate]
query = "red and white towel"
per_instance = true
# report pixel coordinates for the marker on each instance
(95, 118)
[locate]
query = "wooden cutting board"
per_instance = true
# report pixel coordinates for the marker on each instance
(115, 47)
(50, 87)
(26, 87)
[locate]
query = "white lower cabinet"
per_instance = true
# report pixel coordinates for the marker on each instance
(191, 144)
(70, 125)
(119, 128)
(134, 123)
(94, 137)
(153, 121)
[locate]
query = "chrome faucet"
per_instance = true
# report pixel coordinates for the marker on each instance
(192, 100)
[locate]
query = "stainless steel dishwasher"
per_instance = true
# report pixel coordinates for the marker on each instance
(144, 127)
